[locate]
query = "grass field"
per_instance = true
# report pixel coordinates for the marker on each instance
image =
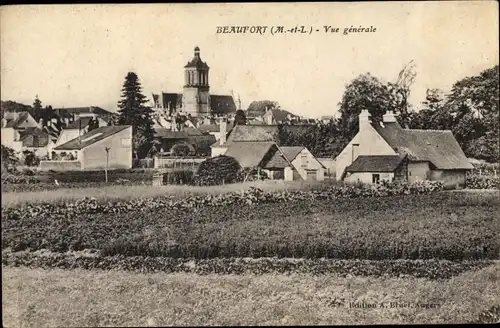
(130, 192)
(50, 298)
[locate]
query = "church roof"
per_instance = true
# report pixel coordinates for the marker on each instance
(173, 98)
(196, 61)
(222, 104)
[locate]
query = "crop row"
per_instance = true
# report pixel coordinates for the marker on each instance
(453, 226)
(248, 197)
(399, 268)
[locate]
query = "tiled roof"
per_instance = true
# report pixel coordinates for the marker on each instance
(436, 146)
(169, 134)
(222, 104)
(22, 116)
(291, 151)
(277, 161)
(84, 110)
(209, 128)
(253, 133)
(250, 154)
(87, 140)
(375, 163)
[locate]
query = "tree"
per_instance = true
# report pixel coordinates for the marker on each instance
(37, 105)
(364, 92)
(260, 107)
(93, 124)
(182, 149)
(401, 92)
(134, 111)
(473, 102)
(240, 118)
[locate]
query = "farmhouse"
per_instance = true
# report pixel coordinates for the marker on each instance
(287, 163)
(89, 150)
(21, 132)
(386, 151)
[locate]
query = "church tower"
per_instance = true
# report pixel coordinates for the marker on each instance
(195, 97)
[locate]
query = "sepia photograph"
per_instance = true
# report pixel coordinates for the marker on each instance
(258, 164)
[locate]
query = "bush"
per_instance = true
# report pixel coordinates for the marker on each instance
(476, 181)
(143, 264)
(182, 149)
(30, 158)
(9, 159)
(218, 170)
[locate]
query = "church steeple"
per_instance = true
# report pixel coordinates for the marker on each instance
(196, 85)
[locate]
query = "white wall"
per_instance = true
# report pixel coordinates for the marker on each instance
(312, 164)
(288, 174)
(370, 143)
(216, 151)
(418, 171)
(120, 153)
(8, 137)
(67, 135)
(367, 177)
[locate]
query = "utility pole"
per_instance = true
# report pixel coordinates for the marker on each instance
(107, 161)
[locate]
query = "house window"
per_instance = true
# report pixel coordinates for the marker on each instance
(375, 178)
(303, 161)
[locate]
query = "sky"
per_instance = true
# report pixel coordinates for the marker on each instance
(79, 55)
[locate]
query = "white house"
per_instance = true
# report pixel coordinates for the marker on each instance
(89, 150)
(431, 154)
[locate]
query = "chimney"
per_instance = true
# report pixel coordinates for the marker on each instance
(389, 117)
(174, 123)
(223, 129)
(364, 118)
(40, 122)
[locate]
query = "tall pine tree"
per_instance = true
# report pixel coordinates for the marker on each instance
(134, 111)
(37, 105)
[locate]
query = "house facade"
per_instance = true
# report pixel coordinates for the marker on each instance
(431, 154)
(21, 132)
(255, 146)
(89, 150)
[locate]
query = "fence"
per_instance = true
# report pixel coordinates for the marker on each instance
(185, 163)
(60, 165)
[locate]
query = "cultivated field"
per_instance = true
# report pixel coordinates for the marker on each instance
(298, 254)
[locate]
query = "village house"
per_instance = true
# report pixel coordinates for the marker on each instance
(386, 151)
(88, 151)
(255, 146)
(197, 141)
(77, 128)
(21, 132)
